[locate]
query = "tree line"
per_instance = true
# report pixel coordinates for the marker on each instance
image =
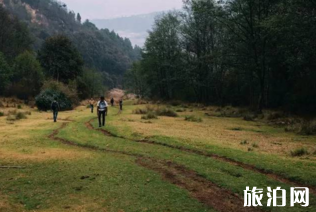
(254, 53)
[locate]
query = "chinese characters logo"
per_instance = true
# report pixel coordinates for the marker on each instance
(276, 197)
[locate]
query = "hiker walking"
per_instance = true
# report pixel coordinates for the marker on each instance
(121, 104)
(112, 102)
(55, 109)
(91, 102)
(102, 108)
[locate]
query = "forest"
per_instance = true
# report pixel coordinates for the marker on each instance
(44, 46)
(102, 50)
(253, 53)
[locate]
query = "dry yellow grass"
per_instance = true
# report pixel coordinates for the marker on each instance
(18, 139)
(227, 132)
(7, 206)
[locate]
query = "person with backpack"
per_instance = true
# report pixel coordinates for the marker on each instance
(112, 102)
(55, 109)
(91, 102)
(121, 104)
(102, 108)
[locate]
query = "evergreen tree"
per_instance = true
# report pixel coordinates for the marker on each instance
(79, 17)
(28, 76)
(60, 59)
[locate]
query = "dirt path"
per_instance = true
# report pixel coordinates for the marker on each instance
(214, 156)
(198, 187)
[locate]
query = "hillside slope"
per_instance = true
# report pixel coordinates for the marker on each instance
(135, 27)
(103, 50)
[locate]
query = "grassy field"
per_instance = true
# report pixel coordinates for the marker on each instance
(136, 164)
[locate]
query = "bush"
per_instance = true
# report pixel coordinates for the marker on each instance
(20, 116)
(150, 115)
(175, 103)
(19, 107)
(14, 115)
(255, 145)
(1, 113)
(46, 97)
(166, 112)
(308, 128)
(249, 117)
(193, 119)
(274, 116)
(140, 111)
(69, 91)
(245, 142)
(299, 152)
(67, 97)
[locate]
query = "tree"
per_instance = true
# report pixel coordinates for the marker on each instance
(135, 80)
(79, 17)
(15, 33)
(5, 74)
(162, 56)
(28, 76)
(245, 20)
(203, 38)
(90, 84)
(60, 59)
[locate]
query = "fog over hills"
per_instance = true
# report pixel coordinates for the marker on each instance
(134, 27)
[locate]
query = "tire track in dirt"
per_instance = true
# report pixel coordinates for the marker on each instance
(269, 174)
(199, 187)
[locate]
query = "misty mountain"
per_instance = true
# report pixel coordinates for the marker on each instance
(134, 27)
(103, 50)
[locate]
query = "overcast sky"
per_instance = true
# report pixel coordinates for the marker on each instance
(106, 9)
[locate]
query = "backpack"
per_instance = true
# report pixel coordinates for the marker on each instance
(102, 106)
(55, 106)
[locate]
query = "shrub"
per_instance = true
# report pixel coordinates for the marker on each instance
(180, 110)
(140, 111)
(19, 107)
(255, 145)
(245, 142)
(249, 117)
(193, 119)
(20, 116)
(46, 97)
(175, 103)
(14, 115)
(150, 115)
(166, 112)
(1, 113)
(299, 152)
(69, 91)
(308, 128)
(274, 116)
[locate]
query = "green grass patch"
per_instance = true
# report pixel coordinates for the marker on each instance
(299, 152)
(193, 119)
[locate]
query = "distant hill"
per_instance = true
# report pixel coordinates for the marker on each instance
(102, 49)
(134, 27)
